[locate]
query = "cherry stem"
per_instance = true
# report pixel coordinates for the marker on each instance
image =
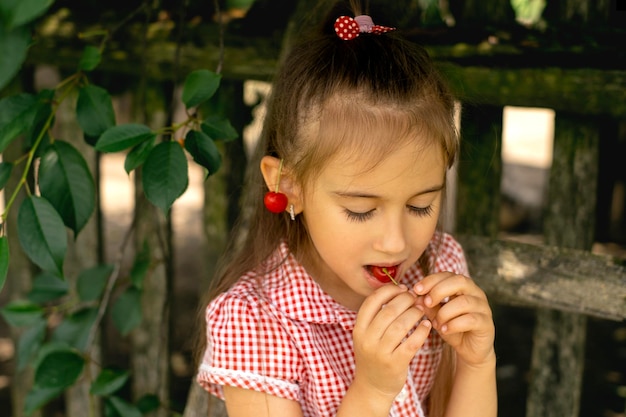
(389, 275)
(280, 168)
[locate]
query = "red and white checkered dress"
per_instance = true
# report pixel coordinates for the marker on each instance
(292, 340)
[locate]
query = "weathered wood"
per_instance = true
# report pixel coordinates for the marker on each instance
(536, 276)
(479, 170)
(558, 358)
(581, 91)
(495, 80)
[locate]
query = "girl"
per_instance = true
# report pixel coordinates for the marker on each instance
(344, 299)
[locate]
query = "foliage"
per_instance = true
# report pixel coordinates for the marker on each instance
(64, 199)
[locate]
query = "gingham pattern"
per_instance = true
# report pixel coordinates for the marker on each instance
(292, 340)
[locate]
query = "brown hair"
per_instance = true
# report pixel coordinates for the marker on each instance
(371, 95)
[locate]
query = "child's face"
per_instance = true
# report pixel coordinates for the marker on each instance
(384, 216)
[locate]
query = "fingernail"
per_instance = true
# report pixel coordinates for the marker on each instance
(444, 328)
(428, 301)
(426, 324)
(419, 307)
(419, 288)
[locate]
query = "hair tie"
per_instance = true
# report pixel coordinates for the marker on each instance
(348, 28)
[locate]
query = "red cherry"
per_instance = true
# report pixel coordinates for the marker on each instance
(384, 273)
(275, 202)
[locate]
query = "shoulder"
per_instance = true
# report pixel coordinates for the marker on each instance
(448, 254)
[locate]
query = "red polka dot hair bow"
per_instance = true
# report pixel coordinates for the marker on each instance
(348, 28)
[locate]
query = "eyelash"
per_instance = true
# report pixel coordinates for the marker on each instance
(361, 217)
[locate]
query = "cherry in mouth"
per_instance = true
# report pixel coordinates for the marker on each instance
(384, 273)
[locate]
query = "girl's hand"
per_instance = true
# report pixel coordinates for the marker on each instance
(460, 312)
(382, 348)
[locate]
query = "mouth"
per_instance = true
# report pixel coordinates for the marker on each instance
(384, 274)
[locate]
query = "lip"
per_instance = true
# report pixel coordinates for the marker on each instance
(373, 279)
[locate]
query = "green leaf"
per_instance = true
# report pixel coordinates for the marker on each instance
(47, 287)
(14, 46)
(74, 330)
(165, 176)
(66, 182)
(16, 114)
(18, 13)
(5, 173)
(148, 403)
(203, 151)
(121, 137)
(90, 58)
(59, 368)
(219, 128)
(138, 155)
(42, 112)
(42, 234)
(94, 110)
(140, 266)
(200, 86)
(4, 260)
(109, 381)
(91, 282)
(126, 310)
(29, 343)
(123, 408)
(37, 397)
(21, 313)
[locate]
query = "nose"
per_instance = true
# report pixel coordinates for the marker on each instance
(391, 236)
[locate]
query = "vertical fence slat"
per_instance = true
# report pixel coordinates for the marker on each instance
(480, 167)
(559, 338)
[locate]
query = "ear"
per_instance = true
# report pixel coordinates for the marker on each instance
(270, 168)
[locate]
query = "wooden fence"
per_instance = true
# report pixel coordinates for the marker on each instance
(561, 279)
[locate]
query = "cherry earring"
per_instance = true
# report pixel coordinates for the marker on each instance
(275, 201)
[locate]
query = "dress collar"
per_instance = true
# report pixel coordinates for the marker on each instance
(294, 292)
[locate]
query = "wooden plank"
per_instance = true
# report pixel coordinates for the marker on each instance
(577, 90)
(521, 274)
(496, 81)
(559, 339)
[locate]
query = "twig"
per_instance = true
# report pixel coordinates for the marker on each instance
(115, 274)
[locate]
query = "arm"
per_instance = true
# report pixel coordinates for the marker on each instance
(461, 314)
(242, 402)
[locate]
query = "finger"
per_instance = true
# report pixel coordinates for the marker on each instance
(374, 303)
(430, 312)
(394, 312)
(414, 342)
(428, 282)
(478, 323)
(460, 305)
(453, 285)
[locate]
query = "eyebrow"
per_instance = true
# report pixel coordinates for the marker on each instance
(358, 194)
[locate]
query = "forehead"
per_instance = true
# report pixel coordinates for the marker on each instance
(361, 134)
(408, 167)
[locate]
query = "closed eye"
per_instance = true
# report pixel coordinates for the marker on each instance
(359, 217)
(421, 211)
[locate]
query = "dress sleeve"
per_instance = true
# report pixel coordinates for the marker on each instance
(248, 347)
